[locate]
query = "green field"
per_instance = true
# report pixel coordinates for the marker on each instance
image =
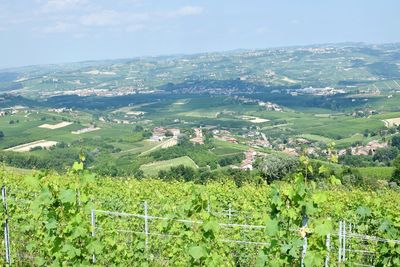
(376, 173)
(317, 138)
(152, 169)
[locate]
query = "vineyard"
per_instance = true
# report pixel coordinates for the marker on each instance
(81, 219)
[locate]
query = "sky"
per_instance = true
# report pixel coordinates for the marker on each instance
(58, 31)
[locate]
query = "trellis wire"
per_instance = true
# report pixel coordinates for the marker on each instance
(345, 234)
(150, 217)
(346, 248)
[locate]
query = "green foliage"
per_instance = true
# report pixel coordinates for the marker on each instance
(231, 159)
(58, 220)
(396, 171)
(386, 155)
(54, 228)
(276, 167)
(180, 173)
(396, 141)
(356, 160)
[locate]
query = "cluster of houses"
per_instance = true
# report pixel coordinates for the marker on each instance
(259, 143)
(366, 150)
(325, 91)
(160, 133)
(266, 105)
(270, 106)
(60, 110)
(119, 91)
(13, 110)
(118, 121)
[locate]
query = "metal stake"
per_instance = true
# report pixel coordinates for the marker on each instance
(93, 220)
(328, 250)
(305, 244)
(340, 243)
(146, 224)
(6, 230)
(344, 241)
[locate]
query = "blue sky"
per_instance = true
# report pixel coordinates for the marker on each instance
(55, 31)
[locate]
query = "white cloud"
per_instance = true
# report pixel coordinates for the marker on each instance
(60, 27)
(102, 18)
(186, 11)
(62, 5)
(83, 16)
(134, 21)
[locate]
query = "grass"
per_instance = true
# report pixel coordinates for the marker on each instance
(18, 170)
(153, 168)
(376, 173)
(221, 151)
(228, 145)
(316, 138)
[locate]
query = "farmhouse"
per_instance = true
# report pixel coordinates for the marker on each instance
(250, 157)
(198, 139)
(159, 133)
(175, 131)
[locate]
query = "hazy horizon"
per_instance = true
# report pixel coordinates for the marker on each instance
(61, 31)
(193, 53)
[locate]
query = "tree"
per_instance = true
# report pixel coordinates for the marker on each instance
(396, 172)
(138, 128)
(169, 133)
(396, 141)
(183, 139)
(139, 174)
(386, 155)
(276, 167)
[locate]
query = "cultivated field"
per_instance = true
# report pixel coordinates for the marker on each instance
(27, 147)
(152, 169)
(163, 144)
(169, 143)
(86, 130)
(392, 122)
(55, 126)
(254, 119)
